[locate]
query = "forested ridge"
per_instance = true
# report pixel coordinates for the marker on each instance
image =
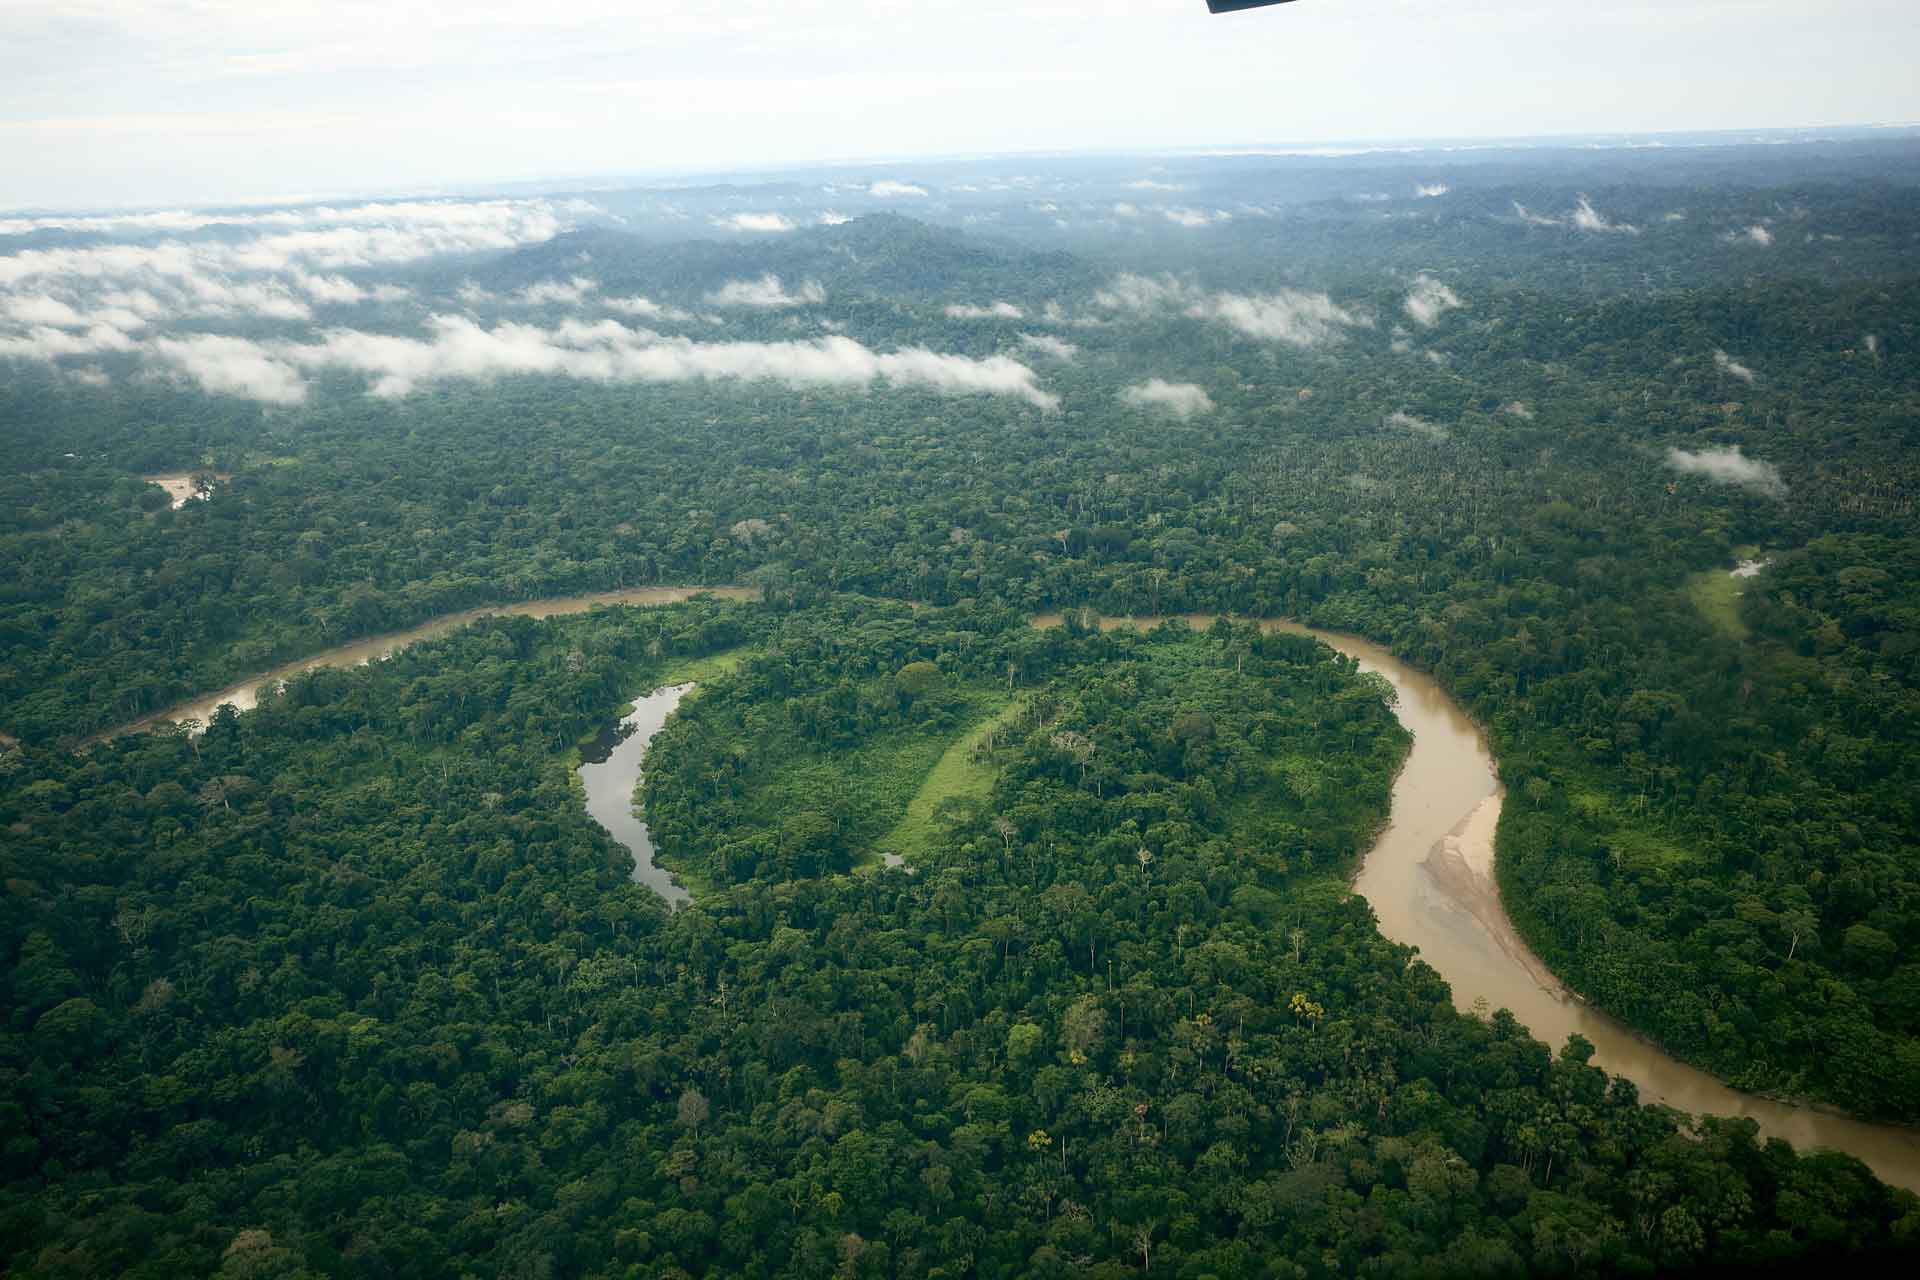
(1531, 483)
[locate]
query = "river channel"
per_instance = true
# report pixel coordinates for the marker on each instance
(610, 771)
(245, 695)
(1429, 878)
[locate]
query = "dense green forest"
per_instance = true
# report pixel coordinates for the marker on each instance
(355, 975)
(348, 984)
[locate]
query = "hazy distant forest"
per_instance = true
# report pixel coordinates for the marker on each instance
(352, 984)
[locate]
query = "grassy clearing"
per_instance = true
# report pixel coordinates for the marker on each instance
(711, 667)
(1648, 852)
(1716, 594)
(955, 773)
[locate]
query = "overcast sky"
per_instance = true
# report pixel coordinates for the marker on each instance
(121, 102)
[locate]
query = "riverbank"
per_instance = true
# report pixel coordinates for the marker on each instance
(244, 694)
(1430, 879)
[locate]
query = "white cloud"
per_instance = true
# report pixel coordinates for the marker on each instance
(1753, 235)
(1148, 184)
(1292, 316)
(1195, 217)
(1429, 299)
(48, 343)
(607, 351)
(1428, 190)
(457, 348)
(1047, 344)
(1731, 367)
(832, 219)
(1181, 399)
(997, 311)
(293, 261)
(550, 292)
(1586, 218)
(645, 307)
(337, 290)
(1583, 217)
(1728, 466)
(1125, 210)
(234, 367)
(1518, 410)
(893, 189)
(1130, 292)
(756, 222)
(500, 216)
(767, 293)
(38, 309)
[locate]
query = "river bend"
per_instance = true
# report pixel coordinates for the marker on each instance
(1429, 877)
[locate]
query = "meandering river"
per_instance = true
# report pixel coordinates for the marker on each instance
(1429, 877)
(245, 695)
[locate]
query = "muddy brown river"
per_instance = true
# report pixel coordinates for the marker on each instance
(245, 695)
(1429, 877)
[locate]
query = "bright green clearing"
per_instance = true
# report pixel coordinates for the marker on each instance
(957, 773)
(711, 667)
(1716, 594)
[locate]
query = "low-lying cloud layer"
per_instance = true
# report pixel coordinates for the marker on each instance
(1429, 299)
(1731, 367)
(1583, 217)
(121, 304)
(1048, 345)
(766, 293)
(277, 265)
(755, 222)
(1181, 399)
(457, 348)
(1291, 316)
(894, 189)
(1728, 466)
(994, 311)
(1195, 217)
(472, 214)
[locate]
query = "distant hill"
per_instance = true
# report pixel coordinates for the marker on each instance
(881, 256)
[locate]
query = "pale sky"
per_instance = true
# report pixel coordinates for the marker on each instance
(142, 102)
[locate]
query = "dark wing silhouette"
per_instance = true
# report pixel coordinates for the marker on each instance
(1229, 6)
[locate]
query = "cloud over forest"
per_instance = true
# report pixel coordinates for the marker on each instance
(1429, 299)
(1047, 344)
(766, 293)
(993, 311)
(756, 222)
(1728, 466)
(1181, 399)
(1292, 316)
